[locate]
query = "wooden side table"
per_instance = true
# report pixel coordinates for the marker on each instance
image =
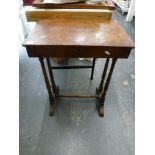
(74, 38)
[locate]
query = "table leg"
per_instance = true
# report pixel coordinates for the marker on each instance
(50, 91)
(54, 87)
(99, 90)
(104, 91)
(92, 71)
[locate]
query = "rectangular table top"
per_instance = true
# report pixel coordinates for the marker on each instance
(76, 38)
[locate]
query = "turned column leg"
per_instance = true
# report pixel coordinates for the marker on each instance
(99, 90)
(103, 93)
(54, 87)
(92, 71)
(50, 91)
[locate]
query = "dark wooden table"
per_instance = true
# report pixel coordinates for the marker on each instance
(74, 38)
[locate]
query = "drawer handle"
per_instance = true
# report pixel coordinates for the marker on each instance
(107, 52)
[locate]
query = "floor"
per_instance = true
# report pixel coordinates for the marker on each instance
(76, 129)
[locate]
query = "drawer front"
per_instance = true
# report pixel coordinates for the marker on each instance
(76, 51)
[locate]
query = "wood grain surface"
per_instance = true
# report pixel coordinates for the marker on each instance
(34, 14)
(78, 38)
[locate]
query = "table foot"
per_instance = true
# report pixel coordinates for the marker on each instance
(101, 111)
(52, 109)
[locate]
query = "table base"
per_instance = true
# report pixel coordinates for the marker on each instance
(53, 89)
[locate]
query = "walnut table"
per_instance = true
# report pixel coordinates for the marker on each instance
(74, 38)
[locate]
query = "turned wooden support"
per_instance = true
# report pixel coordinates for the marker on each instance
(54, 87)
(103, 93)
(103, 76)
(50, 91)
(108, 81)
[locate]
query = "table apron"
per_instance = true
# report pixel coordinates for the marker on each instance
(76, 52)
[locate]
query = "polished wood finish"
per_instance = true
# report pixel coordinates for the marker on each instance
(35, 14)
(80, 5)
(78, 38)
